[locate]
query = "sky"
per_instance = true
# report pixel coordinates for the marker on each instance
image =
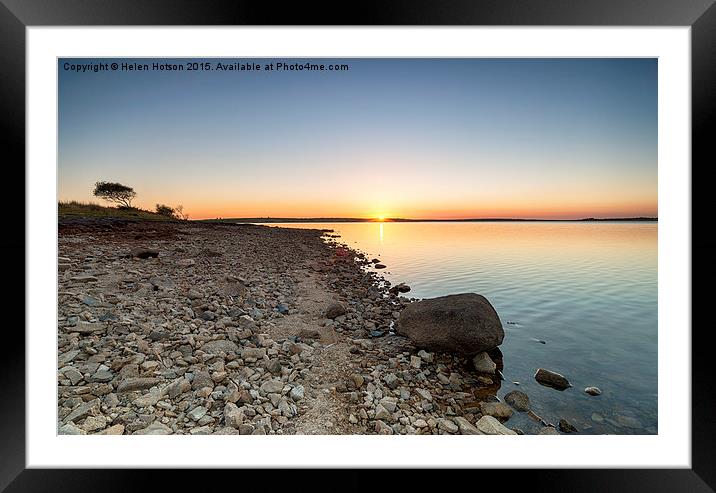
(412, 138)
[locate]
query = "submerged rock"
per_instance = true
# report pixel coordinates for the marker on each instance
(518, 400)
(399, 288)
(498, 410)
(566, 427)
(465, 324)
(629, 422)
(552, 379)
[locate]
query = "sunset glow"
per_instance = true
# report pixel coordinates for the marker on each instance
(390, 138)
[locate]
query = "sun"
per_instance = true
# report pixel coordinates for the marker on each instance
(381, 218)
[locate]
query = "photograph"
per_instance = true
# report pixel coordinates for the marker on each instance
(357, 246)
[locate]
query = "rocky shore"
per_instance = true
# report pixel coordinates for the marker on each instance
(215, 328)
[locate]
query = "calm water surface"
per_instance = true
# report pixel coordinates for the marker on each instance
(588, 290)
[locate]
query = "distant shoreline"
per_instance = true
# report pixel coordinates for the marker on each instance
(267, 220)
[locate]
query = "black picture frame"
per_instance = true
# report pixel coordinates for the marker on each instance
(700, 15)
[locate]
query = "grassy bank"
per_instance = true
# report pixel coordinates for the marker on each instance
(90, 209)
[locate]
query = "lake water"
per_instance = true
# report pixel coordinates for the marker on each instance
(587, 289)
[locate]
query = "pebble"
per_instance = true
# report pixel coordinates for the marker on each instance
(220, 346)
(94, 423)
(87, 328)
(389, 403)
(149, 399)
(382, 428)
(488, 425)
(197, 413)
(112, 430)
(71, 429)
(465, 427)
(201, 430)
(246, 429)
(202, 379)
(137, 383)
(447, 425)
(335, 310)
(425, 356)
(272, 386)
(82, 411)
(74, 376)
(484, 364)
(84, 278)
(424, 394)
(155, 428)
(391, 380)
(382, 413)
(593, 391)
(297, 393)
(358, 380)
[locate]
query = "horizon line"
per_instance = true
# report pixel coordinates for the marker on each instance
(401, 219)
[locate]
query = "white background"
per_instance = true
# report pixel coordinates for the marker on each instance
(670, 448)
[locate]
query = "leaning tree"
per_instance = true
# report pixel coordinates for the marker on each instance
(114, 192)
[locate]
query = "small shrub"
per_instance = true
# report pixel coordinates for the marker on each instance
(180, 214)
(165, 210)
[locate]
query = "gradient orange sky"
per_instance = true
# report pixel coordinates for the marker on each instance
(414, 138)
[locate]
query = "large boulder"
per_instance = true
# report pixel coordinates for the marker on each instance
(465, 324)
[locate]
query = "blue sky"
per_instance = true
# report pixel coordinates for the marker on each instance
(399, 137)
